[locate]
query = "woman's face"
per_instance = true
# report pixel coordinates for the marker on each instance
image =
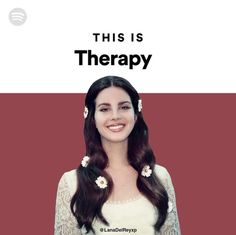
(114, 115)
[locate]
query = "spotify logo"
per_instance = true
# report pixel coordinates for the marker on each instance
(17, 16)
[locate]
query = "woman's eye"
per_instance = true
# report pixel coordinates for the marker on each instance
(125, 107)
(103, 109)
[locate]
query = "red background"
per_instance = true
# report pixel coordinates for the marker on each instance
(193, 136)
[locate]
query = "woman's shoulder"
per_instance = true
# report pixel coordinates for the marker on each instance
(70, 175)
(162, 173)
(69, 180)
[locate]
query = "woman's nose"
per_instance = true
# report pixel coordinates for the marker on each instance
(115, 114)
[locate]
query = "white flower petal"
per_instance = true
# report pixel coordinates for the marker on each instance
(101, 182)
(85, 161)
(85, 112)
(140, 106)
(146, 172)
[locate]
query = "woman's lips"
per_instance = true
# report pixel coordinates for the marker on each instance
(116, 128)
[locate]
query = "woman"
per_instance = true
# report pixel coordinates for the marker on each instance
(118, 188)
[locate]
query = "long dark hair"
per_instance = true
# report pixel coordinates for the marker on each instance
(87, 202)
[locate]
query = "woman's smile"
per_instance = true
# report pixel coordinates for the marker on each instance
(116, 127)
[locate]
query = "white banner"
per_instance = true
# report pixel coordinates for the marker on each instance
(159, 46)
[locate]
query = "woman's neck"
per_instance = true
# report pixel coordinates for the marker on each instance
(117, 154)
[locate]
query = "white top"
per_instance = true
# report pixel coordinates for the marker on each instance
(136, 216)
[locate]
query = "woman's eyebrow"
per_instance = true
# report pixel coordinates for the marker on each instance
(105, 104)
(108, 104)
(124, 102)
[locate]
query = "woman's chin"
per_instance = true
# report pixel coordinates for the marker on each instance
(117, 139)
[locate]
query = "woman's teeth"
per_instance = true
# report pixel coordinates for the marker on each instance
(116, 127)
